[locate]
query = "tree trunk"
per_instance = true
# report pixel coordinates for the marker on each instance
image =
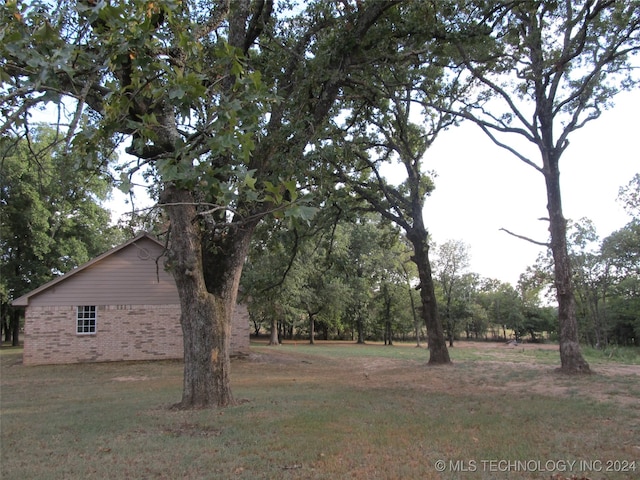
(388, 333)
(5, 316)
(312, 330)
(223, 256)
(6, 327)
(207, 268)
(273, 336)
(200, 311)
(388, 340)
(207, 272)
(571, 359)
(256, 327)
(416, 323)
(602, 320)
(438, 353)
(289, 331)
(360, 327)
(221, 352)
(15, 328)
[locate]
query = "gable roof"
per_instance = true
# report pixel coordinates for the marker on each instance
(23, 301)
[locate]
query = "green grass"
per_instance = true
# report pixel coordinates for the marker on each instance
(615, 354)
(318, 412)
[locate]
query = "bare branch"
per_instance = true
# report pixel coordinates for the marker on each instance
(522, 237)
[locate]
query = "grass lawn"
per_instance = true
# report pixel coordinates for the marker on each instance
(328, 411)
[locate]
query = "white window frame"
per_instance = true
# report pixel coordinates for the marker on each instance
(86, 320)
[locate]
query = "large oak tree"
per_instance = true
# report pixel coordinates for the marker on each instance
(219, 98)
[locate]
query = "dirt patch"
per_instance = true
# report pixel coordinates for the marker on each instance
(132, 378)
(617, 369)
(474, 377)
(505, 345)
(192, 430)
(275, 356)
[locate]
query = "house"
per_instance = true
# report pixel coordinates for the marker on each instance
(122, 305)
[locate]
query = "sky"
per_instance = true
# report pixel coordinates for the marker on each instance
(481, 188)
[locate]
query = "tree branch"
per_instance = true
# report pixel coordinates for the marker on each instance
(217, 15)
(522, 237)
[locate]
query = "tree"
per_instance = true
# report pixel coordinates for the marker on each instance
(452, 259)
(51, 219)
(196, 86)
(621, 250)
(621, 253)
(409, 274)
(591, 280)
(379, 130)
(328, 272)
(291, 272)
(393, 300)
(273, 252)
(629, 196)
(503, 305)
(361, 268)
(404, 207)
(605, 278)
(320, 291)
(536, 319)
(552, 68)
(363, 265)
(478, 321)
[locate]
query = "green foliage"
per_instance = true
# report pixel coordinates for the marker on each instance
(51, 218)
(254, 112)
(629, 197)
(124, 57)
(333, 270)
(605, 280)
(621, 252)
(455, 285)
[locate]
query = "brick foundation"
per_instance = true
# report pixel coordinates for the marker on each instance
(123, 332)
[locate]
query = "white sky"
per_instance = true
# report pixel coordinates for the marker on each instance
(481, 188)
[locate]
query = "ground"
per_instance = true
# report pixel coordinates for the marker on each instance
(497, 367)
(334, 410)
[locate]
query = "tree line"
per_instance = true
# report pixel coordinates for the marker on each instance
(242, 111)
(352, 279)
(346, 274)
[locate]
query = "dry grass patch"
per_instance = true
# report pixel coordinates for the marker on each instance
(322, 412)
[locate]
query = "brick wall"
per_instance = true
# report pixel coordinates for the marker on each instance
(123, 332)
(240, 330)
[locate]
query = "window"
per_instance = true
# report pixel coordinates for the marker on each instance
(86, 319)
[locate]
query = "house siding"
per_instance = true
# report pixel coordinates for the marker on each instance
(132, 276)
(137, 318)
